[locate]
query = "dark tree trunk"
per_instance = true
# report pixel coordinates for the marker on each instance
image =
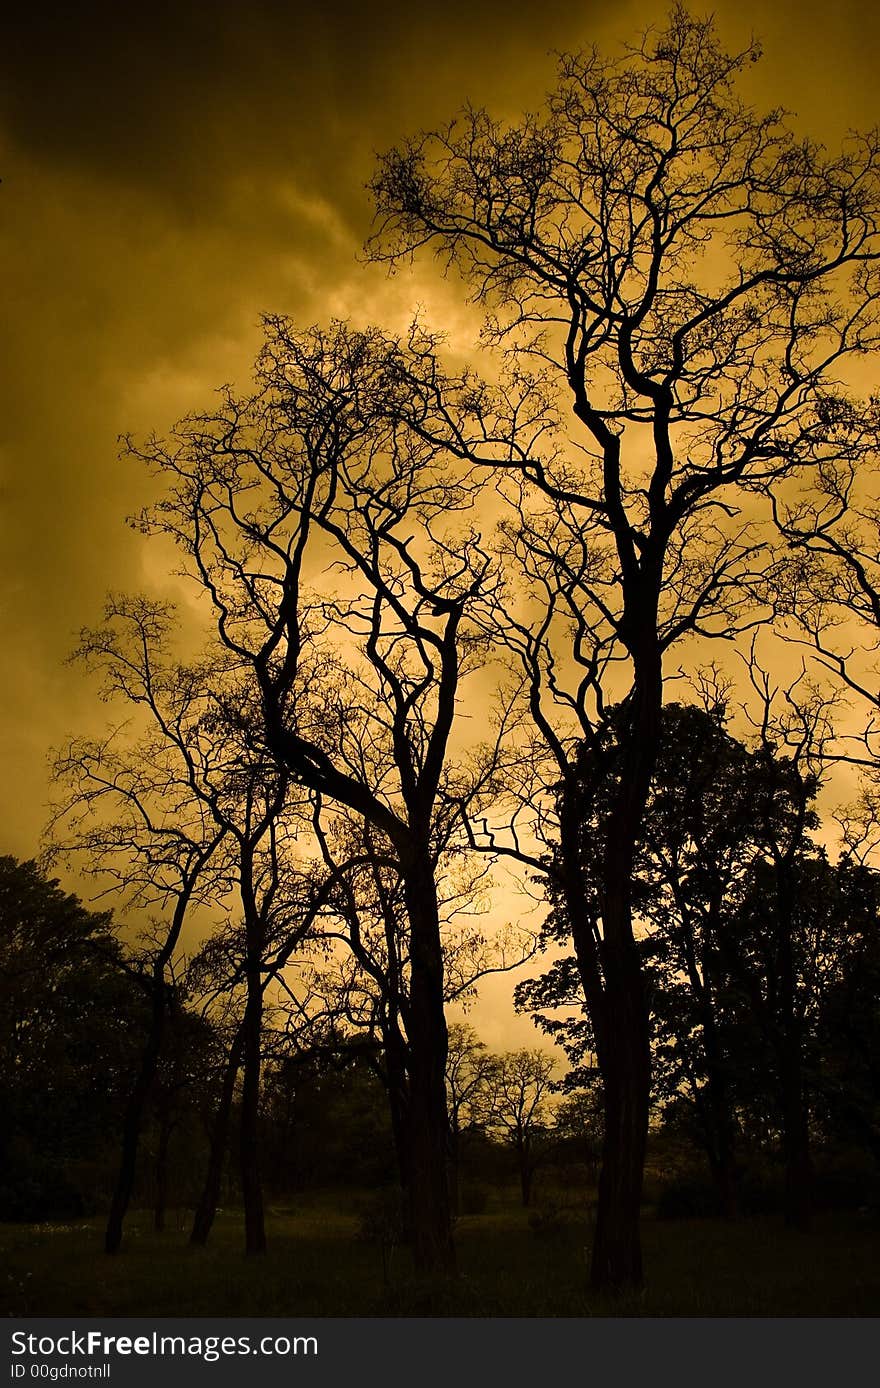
(251, 1189)
(162, 1170)
(453, 1179)
(525, 1176)
(398, 1104)
(210, 1197)
(795, 1135)
(134, 1114)
(433, 1248)
(617, 1255)
(625, 1056)
(720, 1124)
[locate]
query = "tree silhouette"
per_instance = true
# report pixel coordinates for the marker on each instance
(741, 919)
(521, 1089)
(131, 813)
(691, 276)
(471, 1075)
(366, 989)
(71, 1027)
(357, 688)
(289, 899)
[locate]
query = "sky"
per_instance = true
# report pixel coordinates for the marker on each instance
(171, 171)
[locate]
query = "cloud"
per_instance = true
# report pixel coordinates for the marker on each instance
(171, 171)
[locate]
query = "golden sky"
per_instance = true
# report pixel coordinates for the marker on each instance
(172, 170)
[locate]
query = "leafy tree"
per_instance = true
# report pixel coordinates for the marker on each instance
(848, 1020)
(743, 919)
(726, 831)
(578, 1127)
(70, 1023)
(326, 1117)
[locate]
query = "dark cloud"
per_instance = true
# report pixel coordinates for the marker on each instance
(170, 171)
(182, 96)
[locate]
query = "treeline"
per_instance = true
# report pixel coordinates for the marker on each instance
(441, 609)
(74, 1012)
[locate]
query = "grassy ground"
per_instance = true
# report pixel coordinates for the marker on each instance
(318, 1265)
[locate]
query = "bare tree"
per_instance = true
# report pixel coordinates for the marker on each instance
(367, 988)
(692, 276)
(290, 903)
(196, 765)
(523, 1084)
(129, 815)
(470, 1078)
(831, 596)
(316, 479)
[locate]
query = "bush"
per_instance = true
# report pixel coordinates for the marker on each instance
(846, 1189)
(473, 1200)
(40, 1196)
(381, 1218)
(383, 1223)
(761, 1192)
(687, 1197)
(547, 1219)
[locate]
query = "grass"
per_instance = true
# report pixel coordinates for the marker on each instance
(317, 1265)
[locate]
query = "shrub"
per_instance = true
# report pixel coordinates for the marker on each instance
(473, 1200)
(39, 1196)
(547, 1219)
(687, 1197)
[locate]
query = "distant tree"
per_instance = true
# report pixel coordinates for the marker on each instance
(471, 1074)
(692, 277)
(521, 1109)
(578, 1127)
(127, 813)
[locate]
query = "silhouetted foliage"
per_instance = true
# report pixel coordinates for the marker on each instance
(71, 1018)
(750, 938)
